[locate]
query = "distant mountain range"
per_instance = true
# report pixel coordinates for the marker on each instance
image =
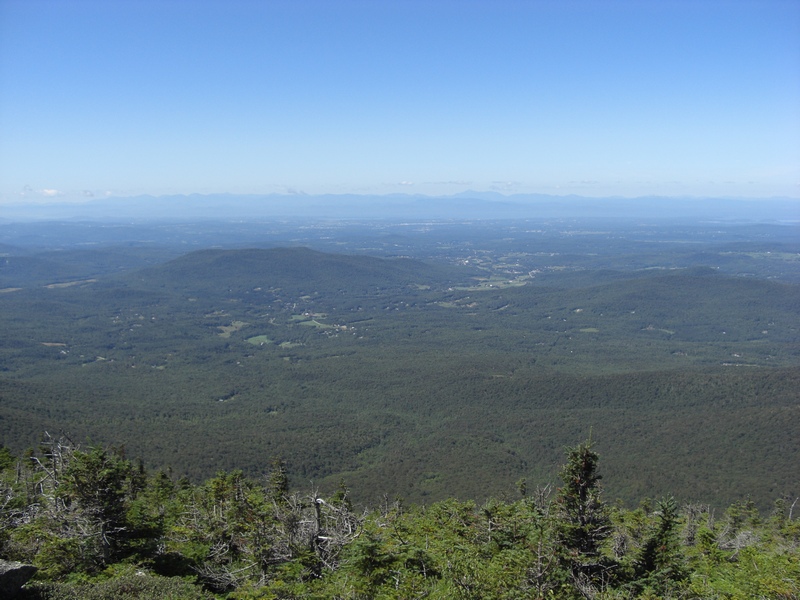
(466, 205)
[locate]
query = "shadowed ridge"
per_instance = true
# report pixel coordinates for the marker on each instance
(292, 268)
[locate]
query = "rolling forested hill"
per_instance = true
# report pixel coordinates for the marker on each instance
(297, 270)
(424, 379)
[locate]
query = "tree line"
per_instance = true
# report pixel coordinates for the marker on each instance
(99, 525)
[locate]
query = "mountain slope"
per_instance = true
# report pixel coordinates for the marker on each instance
(297, 269)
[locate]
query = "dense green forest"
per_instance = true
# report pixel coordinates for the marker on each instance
(351, 410)
(424, 361)
(100, 526)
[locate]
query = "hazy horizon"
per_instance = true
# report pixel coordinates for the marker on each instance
(615, 98)
(470, 205)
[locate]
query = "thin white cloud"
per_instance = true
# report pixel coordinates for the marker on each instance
(503, 186)
(449, 182)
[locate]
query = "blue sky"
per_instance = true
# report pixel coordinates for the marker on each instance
(126, 97)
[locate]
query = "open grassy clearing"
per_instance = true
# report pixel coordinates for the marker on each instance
(227, 330)
(66, 284)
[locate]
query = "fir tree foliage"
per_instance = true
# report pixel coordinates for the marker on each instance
(99, 526)
(659, 565)
(584, 524)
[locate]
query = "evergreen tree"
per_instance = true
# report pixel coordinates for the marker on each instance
(659, 565)
(584, 522)
(278, 483)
